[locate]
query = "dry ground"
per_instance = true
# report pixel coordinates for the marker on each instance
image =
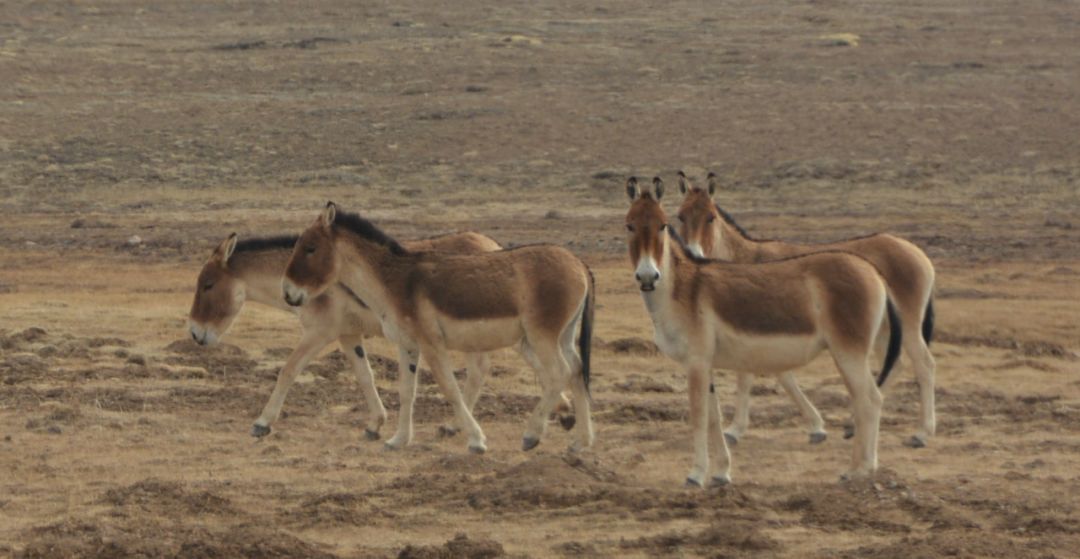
(952, 123)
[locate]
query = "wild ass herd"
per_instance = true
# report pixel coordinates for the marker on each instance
(718, 299)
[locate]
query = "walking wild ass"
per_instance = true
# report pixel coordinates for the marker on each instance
(538, 299)
(710, 232)
(768, 318)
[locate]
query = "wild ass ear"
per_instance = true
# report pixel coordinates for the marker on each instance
(684, 183)
(658, 188)
(632, 188)
(329, 214)
(225, 250)
(712, 183)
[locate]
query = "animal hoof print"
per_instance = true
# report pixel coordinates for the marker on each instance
(447, 432)
(720, 481)
(477, 450)
(371, 435)
(529, 443)
(849, 431)
(731, 439)
(260, 431)
(567, 422)
(915, 442)
(693, 483)
(817, 438)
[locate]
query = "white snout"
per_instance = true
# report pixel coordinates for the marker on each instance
(647, 273)
(202, 335)
(695, 249)
(294, 296)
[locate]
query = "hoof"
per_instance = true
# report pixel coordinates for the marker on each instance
(567, 421)
(849, 431)
(731, 439)
(720, 481)
(477, 450)
(817, 438)
(447, 432)
(371, 435)
(691, 482)
(915, 442)
(529, 443)
(260, 431)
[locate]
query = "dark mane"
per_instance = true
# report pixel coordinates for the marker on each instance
(731, 221)
(367, 230)
(282, 242)
(686, 250)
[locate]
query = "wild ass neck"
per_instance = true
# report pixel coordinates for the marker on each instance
(261, 273)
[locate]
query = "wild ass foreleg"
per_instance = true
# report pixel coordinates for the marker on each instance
(699, 423)
(354, 351)
(739, 424)
(445, 378)
(309, 346)
(817, 424)
(477, 366)
(408, 367)
(716, 434)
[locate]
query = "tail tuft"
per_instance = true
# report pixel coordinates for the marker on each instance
(928, 322)
(585, 339)
(895, 337)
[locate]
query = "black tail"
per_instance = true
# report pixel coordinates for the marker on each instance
(585, 340)
(928, 322)
(895, 337)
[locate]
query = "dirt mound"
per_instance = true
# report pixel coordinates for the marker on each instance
(645, 411)
(219, 359)
(461, 547)
(142, 537)
(1027, 348)
(167, 498)
(861, 505)
(725, 538)
(342, 508)
(628, 346)
(636, 384)
(970, 544)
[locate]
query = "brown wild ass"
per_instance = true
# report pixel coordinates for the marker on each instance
(767, 318)
(536, 298)
(710, 232)
(251, 270)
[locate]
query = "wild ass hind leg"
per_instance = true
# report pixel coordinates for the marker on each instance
(817, 424)
(866, 408)
(440, 367)
(408, 368)
(722, 475)
(699, 375)
(741, 421)
(309, 346)
(553, 372)
(353, 346)
(582, 429)
(477, 366)
(925, 368)
(881, 344)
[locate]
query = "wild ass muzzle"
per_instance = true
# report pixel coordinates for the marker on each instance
(251, 270)
(711, 232)
(767, 318)
(539, 299)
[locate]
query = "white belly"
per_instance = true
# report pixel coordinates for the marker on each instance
(765, 354)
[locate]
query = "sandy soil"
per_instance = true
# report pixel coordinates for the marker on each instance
(136, 136)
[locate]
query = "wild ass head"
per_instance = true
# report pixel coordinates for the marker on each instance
(314, 264)
(219, 296)
(646, 223)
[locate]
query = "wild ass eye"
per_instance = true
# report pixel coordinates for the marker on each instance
(629, 227)
(208, 286)
(712, 218)
(310, 249)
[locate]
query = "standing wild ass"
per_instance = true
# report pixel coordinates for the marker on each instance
(710, 232)
(251, 270)
(537, 298)
(769, 318)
